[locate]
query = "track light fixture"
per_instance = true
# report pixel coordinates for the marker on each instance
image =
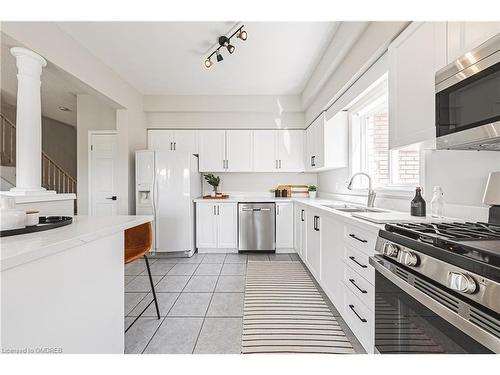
(225, 42)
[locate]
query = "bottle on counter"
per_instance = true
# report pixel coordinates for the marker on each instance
(437, 202)
(417, 206)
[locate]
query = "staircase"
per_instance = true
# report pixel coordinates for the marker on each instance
(54, 177)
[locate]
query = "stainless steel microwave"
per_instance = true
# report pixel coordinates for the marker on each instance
(468, 100)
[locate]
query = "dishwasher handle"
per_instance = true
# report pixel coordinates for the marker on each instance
(255, 209)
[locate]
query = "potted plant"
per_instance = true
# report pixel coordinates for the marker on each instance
(312, 191)
(214, 181)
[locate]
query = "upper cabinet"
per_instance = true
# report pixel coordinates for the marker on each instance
(414, 57)
(239, 150)
(465, 36)
(264, 151)
(173, 140)
(212, 150)
(278, 150)
(327, 143)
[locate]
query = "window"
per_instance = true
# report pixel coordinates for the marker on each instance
(369, 122)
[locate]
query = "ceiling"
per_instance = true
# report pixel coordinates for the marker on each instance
(166, 58)
(57, 88)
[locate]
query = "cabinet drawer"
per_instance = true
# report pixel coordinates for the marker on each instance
(360, 287)
(358, 261)
(360, 320)
(360, 239)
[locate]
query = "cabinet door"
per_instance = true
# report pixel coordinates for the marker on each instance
(303, 235)
(290, 150)
(206, 225)
(264, 151)
(332, 266)
(239, 150)
(297, 215)
(185, 141)
(319, 142)
(160, 140)
(310, 145)
(227, 217)
(212, 150)
(284, 225)
(414, 57)
(465, 36)
(313, 257)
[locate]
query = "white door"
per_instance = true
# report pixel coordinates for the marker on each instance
(160, 140)
(185, 141)
(227, 217)
(103, 164)
(313, 255)
(290, 150)
(284, 225)
(332, 266)
(239, 150)
(173, 202)
(310, 145)
(206, 225)
(264, 151)
(212, 150)
(319, 142)
(303, 235)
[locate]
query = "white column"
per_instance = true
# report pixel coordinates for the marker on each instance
(28, 122)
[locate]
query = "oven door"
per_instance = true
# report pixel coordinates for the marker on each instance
(407, 320)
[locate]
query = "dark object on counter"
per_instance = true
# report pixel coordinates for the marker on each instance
(494, 215)
(284, 193)
(45, 223)
(277, 193)
(417, 206)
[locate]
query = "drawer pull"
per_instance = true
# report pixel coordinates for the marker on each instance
(359, 264)
(357, 238)
(356, 285)
(359, 317)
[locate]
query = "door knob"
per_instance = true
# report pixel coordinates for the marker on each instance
(113, 198)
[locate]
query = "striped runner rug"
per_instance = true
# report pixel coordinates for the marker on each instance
(285, 313)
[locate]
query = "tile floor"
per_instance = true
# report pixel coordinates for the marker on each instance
(200, 300)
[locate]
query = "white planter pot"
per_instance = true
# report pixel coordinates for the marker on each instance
(312, 194)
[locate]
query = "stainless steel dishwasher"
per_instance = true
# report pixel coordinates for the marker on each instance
(257, 226)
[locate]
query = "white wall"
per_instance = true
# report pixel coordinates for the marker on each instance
(92, 114)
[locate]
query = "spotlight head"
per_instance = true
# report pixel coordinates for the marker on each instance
(230, 48)
(219, 56)
(223, 41)
(208, 63)
(242, 35)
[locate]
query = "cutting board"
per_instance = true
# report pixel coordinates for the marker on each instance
(398, 217)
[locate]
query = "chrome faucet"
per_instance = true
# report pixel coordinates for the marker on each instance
(371, 192)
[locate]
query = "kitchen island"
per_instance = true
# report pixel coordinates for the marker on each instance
(62, 290)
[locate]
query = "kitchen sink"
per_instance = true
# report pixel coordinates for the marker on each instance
(351, 208)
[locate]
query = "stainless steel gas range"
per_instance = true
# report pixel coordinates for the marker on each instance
(437, 288)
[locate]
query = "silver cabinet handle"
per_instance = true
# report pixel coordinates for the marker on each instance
(171, 146)
(276, 164)
(175, 143)
(280, 164)
(227, 164)
(302, 215)
(217, 210)
(277, 209)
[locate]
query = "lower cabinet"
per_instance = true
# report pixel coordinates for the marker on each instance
(284, 225)
(313, 240)
(300, 230)
(216, 225)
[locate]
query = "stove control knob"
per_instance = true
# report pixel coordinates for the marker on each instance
(391, 250)
(462, 282)
(407, 258)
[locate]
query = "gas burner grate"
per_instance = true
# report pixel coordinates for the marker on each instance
(429, 232)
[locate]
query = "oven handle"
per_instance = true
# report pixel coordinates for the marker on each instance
(481, 336)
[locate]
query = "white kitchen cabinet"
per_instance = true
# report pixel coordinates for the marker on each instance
(239, 150)
(173, 140)
(315, 144)
(414, 57)
(284, 225)
(264, 151)
(300, 227)
(313, 233)
(332, 267)
(212, 150)
(216, 225)
(290, 147)
(465, 36)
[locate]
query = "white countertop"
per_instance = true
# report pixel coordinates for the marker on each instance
(24, 248)
(246, 198)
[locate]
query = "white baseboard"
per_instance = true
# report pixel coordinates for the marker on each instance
(217, 251)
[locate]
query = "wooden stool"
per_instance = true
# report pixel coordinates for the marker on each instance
(138, 242)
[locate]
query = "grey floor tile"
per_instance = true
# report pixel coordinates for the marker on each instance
(230, 284)
(165, 303)
(131, 300)
(196, 258)
(172, 284)
(220, 336)
(175, 336)
(135, 268)
(226, 304)
(234, 269)
(171, 260)
(184, 269)
(258, 257)
(294, 257)
(141, 284)
(128, 279)
(139, 335)
(236, 258)
(283, 257)
(201, 284)
(214, 258)
(208, 269)
(191, 304)
(159, 268)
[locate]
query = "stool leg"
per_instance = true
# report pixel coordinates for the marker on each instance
(152, 286)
